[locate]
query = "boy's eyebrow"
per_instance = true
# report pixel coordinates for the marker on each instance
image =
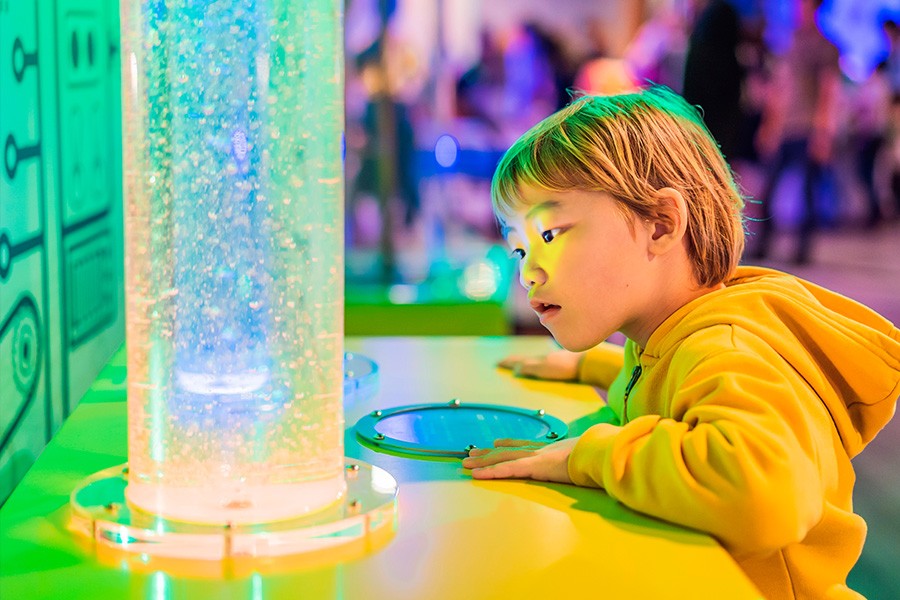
(546, 205)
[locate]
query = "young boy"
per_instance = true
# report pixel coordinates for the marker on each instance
(741, 393)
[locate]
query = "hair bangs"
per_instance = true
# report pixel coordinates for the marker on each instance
(544, 158)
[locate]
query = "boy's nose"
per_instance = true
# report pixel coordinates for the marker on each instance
(529, 276)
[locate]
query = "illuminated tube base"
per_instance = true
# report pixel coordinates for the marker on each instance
(254, 504)
(101, 512)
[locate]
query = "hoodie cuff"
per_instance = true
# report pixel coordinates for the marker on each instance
(585, 464)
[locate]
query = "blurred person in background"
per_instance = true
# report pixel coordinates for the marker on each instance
(657, 51)
(799, 123)
(712, 74)
(385, 77)
(870, 115)
(892, 61)
(892, 67)
(892, 154)
(387, 167)
(529, 79)
(562, 67)
(754, 56)
(600, 73)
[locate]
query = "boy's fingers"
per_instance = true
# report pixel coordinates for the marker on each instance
(529, 367)
(510, 362)
(504, 443)
(494, 457)
(518, 469)
(513, 443)
(523, 366)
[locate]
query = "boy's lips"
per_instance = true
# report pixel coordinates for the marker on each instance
(544, 310)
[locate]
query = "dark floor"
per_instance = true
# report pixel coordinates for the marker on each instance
(865, 265)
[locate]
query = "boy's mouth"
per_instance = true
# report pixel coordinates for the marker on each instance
(544, 308)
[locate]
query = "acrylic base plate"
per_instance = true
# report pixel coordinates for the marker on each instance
(100, 511)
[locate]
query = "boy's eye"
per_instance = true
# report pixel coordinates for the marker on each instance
(518, 253)
(550, 235)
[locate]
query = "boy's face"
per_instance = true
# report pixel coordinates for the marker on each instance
(584, 264)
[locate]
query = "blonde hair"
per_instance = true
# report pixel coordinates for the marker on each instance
(630, 146)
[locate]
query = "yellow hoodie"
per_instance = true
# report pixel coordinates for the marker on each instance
(740, 418)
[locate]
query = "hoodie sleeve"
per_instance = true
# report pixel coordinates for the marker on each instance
(601, 364)
(736, 457)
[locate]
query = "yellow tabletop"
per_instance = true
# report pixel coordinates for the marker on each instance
(455, 538)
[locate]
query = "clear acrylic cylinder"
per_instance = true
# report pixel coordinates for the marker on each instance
(233, 130)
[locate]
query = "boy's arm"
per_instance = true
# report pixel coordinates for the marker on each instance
(597, 366)
(737, 461)
(601, 364)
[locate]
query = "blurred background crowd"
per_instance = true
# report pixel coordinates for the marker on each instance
(803, 97)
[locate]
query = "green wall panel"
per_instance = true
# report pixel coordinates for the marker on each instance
(61, 279)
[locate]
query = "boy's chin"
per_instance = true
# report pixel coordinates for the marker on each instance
(574, 343)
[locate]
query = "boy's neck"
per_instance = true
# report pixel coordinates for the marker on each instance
(670, 299)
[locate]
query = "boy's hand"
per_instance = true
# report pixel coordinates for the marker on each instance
(560, 365)
(522, 459)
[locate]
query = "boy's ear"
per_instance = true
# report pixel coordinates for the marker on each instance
(668, 224)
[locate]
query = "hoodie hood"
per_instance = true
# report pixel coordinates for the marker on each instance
(847, 353)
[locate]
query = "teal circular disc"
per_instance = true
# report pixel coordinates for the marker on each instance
(452, 429)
